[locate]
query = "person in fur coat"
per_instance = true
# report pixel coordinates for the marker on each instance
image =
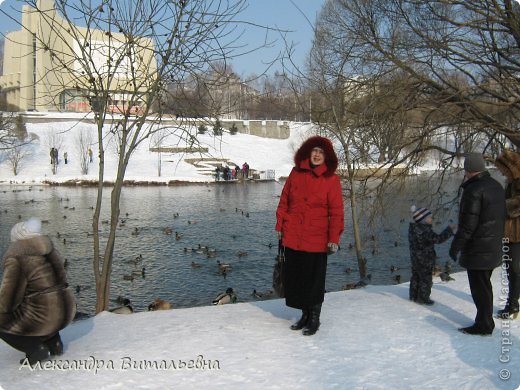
(508, 163)
(309, 221)
(35, 300)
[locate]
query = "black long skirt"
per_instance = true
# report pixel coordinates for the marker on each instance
(304, 278)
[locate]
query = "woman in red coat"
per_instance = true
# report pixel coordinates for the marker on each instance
(309, 220)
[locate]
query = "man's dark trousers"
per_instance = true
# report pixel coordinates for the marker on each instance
(482, 293)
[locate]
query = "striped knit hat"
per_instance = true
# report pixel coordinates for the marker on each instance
(419, 214)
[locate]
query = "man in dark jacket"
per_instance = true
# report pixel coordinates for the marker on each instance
(479, 238)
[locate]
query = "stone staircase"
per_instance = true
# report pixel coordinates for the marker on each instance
(206, 165)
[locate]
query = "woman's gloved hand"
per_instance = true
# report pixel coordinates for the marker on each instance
(332, 248)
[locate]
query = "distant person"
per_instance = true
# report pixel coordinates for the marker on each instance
(90, 154)
(52, 154)
(225, 173)
(422, 238)
(309, 221)
(482, 214)
(35, 300)
(56, 156)
(508, 164)
(245, 170)
(217, 173)
(65, 155)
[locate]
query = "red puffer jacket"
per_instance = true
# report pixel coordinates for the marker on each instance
(310, 213)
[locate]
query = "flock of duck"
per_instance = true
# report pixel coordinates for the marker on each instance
(126, 308)
(139, 271)
(207, 252)
(222, 268)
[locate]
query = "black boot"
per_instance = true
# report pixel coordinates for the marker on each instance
(513, 311)
(426, 301)
(55, 345)
(504, 313)
(510, 311)
(475, 330)
(302, 321)
(314, 321)
(41, 352)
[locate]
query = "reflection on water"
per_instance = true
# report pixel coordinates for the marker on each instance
(236, 220)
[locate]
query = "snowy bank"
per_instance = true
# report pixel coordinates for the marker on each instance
(370, 338)
(63, 132)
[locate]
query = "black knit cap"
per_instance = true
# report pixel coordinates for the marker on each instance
(474, 162)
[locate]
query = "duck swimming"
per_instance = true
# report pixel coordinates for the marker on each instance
(167, 231)
(137, 260)
(266, 295)
(139, 273)
(224, 266)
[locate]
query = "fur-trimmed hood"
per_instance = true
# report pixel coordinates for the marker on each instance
(35, 299)
(509, 161)
(36, 246)
(303, 154)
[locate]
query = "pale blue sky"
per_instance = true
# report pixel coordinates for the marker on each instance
(294, 16)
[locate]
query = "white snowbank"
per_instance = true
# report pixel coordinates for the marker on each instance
(371, 338)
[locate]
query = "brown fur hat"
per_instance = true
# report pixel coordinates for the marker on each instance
(509, 161)
(304, 152)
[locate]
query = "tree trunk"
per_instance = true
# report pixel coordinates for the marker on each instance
(100, 278)
(362, 263)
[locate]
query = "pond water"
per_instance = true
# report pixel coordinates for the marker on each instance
(237, 220)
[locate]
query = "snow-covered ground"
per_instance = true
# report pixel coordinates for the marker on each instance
(370, 338)
(260, 153)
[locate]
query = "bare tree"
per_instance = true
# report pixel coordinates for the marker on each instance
(391, 79)
(19, 130)
(54, 139)
(83, 142)
(14, 140)
(7, 123)
(137, 47)
(54, 142)
(462, 57)
(157, 141)
(16, 154)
